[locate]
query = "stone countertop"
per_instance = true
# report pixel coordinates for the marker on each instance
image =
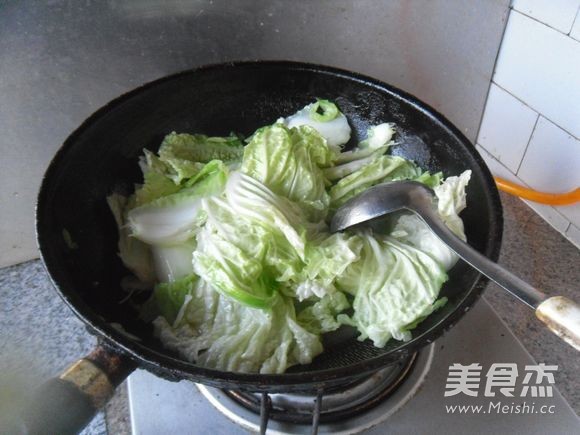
(40, 335)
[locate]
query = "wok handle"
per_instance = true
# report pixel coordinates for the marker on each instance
(562, 316)
(65, 405)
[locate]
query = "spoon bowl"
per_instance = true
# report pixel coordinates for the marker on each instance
(560, 314)
(382, 200)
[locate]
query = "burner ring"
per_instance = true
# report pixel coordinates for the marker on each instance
(338, 403)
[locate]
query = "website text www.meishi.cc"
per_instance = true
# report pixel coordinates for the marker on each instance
(501, 408)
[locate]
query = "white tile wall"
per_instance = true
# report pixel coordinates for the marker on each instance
(506, 127)
(558, 14)
(552, 159)
(537, 78)
(495, 166)
(571, 212)
(541, 67)
(549, 213)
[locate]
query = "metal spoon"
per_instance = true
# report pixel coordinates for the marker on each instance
(560, 314)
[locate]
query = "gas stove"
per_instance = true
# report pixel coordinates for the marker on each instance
(406, 398)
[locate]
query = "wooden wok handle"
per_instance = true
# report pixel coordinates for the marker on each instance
(65, 405)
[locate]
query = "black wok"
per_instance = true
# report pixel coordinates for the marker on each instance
(101, 157)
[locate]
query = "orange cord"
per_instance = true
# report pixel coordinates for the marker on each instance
(533, 195)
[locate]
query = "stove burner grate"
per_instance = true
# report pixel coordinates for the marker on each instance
(337, 403)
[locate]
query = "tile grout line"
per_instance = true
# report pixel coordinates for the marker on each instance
(574, 22)
(501, 164)
(520, 165)
(539, 113)
(510, 9)
(525, 201)
(528, 144)
(556, 210)
(542, 23)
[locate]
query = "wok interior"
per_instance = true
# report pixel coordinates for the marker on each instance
(101, 157)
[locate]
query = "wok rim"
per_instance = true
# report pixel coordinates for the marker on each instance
(173, 368)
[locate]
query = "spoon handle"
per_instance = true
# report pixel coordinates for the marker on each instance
(561, 315)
